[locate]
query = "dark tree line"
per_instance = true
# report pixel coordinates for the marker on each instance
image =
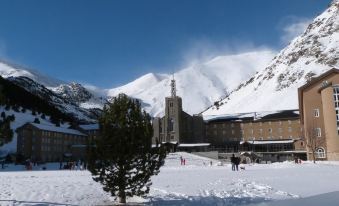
(14, 97)
(6, 133)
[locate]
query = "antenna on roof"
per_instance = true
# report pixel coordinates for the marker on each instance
(173, 87)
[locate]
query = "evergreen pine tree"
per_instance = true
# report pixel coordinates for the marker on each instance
(123, 159)
(3, 115)
(2, 97)
(6, 133)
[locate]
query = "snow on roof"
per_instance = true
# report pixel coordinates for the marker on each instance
(268, 142)
(57, 129)
(89, 126)
(195, 145)
(253, 115)
(173, 142)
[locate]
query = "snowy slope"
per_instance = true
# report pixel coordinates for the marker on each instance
(275, 87)
(200, 85)
(11, 70)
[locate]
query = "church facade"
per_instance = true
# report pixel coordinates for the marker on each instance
(177, 127)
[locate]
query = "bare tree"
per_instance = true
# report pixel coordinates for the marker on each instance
(313, 140)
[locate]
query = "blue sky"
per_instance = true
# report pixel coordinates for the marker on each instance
(109, 43)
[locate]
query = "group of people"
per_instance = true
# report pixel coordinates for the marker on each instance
(235, 161)
(297, 160)
(182, 161)
(76, 165)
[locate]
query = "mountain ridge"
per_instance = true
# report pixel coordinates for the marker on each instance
(275, 87)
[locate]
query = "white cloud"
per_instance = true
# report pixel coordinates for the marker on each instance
(294, 28)
(200, 51)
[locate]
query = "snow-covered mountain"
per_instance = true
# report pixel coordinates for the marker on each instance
(71, 97)
(200, 85)
(61, 103)
(12, 70)
(276, 86)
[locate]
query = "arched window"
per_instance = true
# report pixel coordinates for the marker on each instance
(171, 125)
(320, 153)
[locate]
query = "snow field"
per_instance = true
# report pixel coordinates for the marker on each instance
(196, 183)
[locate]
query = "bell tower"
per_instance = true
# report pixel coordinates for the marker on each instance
(173, 111)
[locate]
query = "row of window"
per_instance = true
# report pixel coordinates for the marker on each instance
(256, 138)
(62, 141)
(251, 131)
(242, 124)
(336, 104)
(57, 134)
(48, 148)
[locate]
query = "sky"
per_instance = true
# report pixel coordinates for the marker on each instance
(108, 43)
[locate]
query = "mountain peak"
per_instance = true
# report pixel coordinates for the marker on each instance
(275, 87)
(13, 70)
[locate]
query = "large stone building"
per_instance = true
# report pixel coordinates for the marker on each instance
(177, 127)
(319, 112)
(40, 142)
(273, 136)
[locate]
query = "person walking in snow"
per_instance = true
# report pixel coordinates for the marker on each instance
(237, 162)
(184, 161)
(181, 160)
(233, 159)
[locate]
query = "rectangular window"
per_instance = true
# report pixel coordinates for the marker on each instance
(290, 129)
(318, 132)
(316, 112)
(336, 104)
(280, 130)
(289, 122)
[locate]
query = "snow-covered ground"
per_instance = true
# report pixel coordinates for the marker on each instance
(197, 183)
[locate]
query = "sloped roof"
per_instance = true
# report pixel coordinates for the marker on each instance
(52, 128)
(254, 116)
